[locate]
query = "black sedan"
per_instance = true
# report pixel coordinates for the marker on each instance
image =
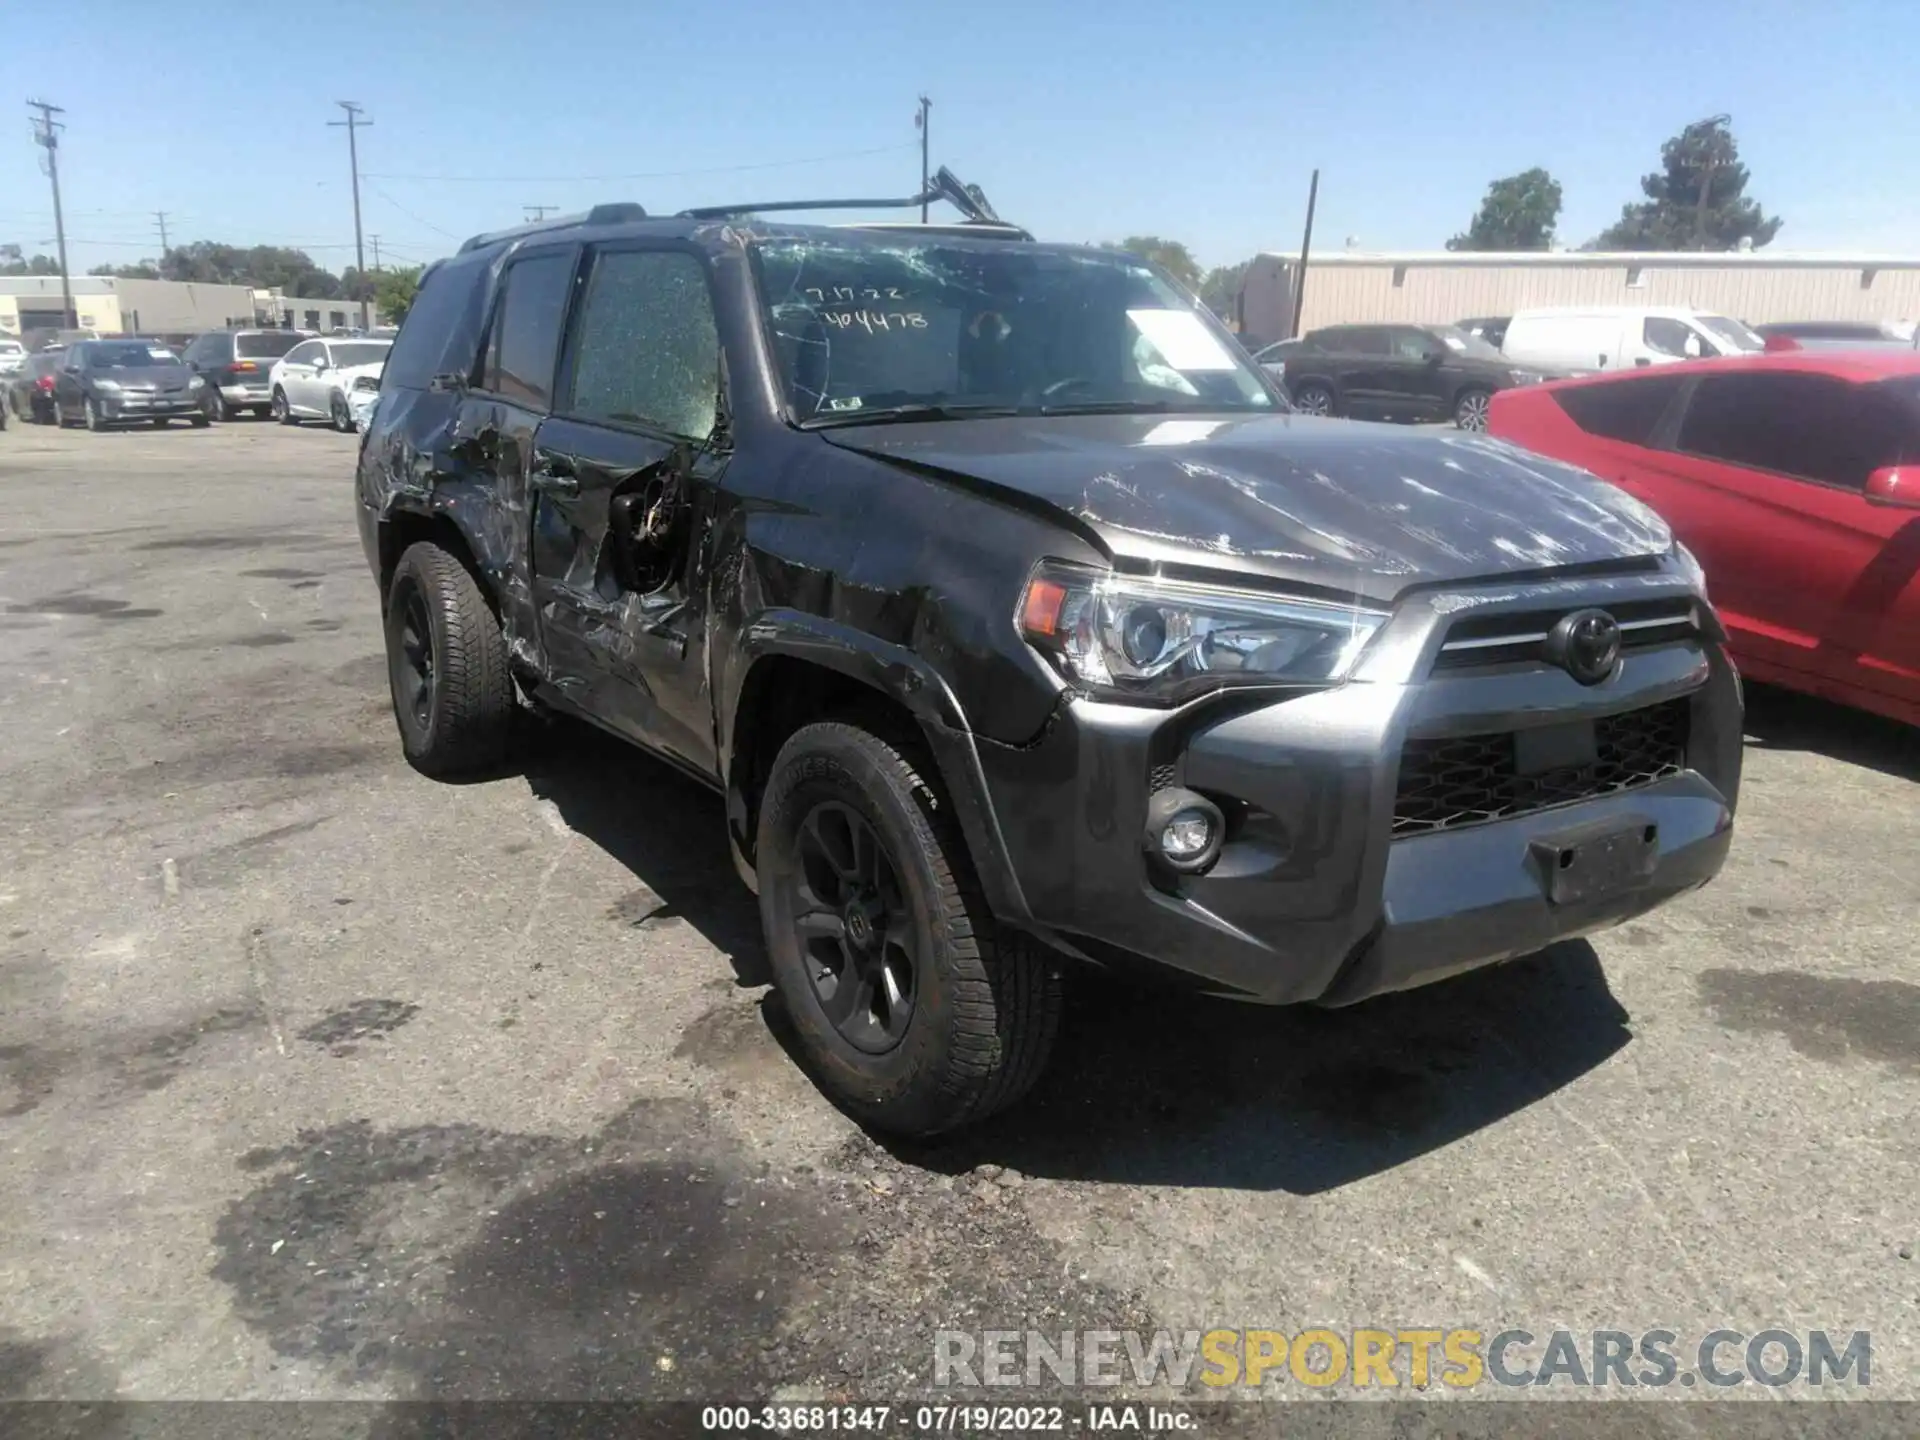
(102, 383)
(1398, 372)
(30, 388)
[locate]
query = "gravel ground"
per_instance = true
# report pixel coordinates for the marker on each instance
(319, 1079)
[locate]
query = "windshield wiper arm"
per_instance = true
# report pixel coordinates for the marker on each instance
(901, 414)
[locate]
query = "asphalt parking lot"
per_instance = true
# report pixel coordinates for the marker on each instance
(320, 1079)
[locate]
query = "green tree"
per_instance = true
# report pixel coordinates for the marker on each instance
(1696, 200)
(264, 267)
(38, 265)
(1220, 288)
(393, 292)
(1170, 255)
(1519, 213)
(144, 270)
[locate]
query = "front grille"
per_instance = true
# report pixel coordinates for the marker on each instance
(1471, 779)
(1478, 641)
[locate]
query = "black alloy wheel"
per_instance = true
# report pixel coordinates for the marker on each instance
(855, 927)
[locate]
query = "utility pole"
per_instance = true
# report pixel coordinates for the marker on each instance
(1710, 129)
(537, 212)
(352, 123)
(46, 133)
(1306, 248)
(374, 240)
(920, 123)
(160, 218)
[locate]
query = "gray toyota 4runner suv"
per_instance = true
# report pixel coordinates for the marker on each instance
(1021, 624)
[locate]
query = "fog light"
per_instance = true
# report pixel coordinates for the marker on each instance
(1188, 834)
(1184, 831)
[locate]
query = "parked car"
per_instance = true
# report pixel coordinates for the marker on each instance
(1490, 328)
(235, 365)
(30, 390)
(1624, 337)
(315, 379)
(1021, 625)
(1399, 372)
(103, 383)
(1273, 358)
(1840, 335)
(1795, 478)
(362, 397)
(13, 355)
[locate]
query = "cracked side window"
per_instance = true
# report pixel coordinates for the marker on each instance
(648, 353)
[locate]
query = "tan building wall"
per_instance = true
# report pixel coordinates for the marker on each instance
(1439, 288)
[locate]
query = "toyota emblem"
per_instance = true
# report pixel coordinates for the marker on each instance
(1585, 644)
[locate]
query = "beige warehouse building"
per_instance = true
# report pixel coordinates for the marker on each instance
(1438, 287)
(30, 307)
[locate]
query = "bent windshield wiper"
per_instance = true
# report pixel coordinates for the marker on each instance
(899, 414)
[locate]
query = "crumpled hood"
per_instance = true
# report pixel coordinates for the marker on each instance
(1369, 509)
(347, 374)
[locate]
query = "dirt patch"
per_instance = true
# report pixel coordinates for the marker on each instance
(363, 1020)
(94, 606)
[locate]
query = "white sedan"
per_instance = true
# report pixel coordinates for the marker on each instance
(316, 379)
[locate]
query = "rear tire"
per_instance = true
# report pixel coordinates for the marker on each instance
(453, 694)
(199, 422)
(217, 408)
(1314, 399)
(908, 932)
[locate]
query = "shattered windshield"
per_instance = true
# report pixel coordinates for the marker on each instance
(863, 328)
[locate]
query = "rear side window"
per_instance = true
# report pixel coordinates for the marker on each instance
(439, 309)
(1628, 410)
(526, 329)
(1812, 427)
(648, 351)
(265, 344)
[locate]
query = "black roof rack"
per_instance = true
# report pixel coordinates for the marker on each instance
(945, 185)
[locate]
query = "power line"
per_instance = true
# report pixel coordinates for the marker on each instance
(643, 174)
(411, 216)
(353, 122)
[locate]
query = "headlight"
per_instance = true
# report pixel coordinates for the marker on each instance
(196, 383)
(366, 382)
(1527, 377)
(109, 385)
(1162, 641)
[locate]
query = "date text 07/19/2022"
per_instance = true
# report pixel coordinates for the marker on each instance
(965, 1419)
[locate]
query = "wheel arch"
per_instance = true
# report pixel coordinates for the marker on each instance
(799, 668)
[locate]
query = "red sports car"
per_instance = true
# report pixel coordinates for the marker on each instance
(1795, 480)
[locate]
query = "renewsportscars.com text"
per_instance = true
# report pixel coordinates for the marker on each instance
(1417, 1358)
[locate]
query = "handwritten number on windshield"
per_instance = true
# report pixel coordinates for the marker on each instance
(875, 321)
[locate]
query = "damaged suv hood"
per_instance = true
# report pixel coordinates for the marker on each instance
(1368, 509)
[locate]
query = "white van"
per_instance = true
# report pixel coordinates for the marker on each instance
(1582, 341)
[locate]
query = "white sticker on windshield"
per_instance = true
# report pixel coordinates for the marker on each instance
(1180, 432)
(1182, 340)
(158, 354)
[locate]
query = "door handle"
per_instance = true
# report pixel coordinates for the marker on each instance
(553, 472)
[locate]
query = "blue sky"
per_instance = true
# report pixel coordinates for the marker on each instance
(1084, 122)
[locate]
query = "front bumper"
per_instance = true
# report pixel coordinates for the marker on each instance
(1312, 898)
(360, 405)
(147, 407)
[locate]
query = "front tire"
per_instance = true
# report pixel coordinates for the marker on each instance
(1470, 410)
(915, 1011)
(90, 412)
(447, 669)
(342, 417)
(1314, 399)
(280, 409)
